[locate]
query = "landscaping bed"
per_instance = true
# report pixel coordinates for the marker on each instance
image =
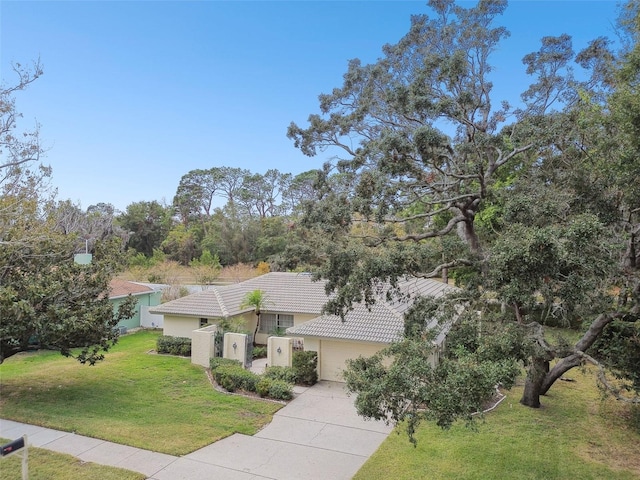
(275, 383)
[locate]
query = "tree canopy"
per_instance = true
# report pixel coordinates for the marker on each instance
(46, 299)
(530, 204)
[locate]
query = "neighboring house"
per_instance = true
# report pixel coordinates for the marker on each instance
(294, 305)
(146, 297)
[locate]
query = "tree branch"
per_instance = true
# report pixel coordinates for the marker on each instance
(606, 384)
(575, 359)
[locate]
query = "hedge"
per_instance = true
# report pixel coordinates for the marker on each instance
(272, 388)
(285, 374)
(215, 362)
(174, 345)
(235, 377)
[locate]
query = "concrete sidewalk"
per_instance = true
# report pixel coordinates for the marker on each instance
(318, 435)
(88, 449)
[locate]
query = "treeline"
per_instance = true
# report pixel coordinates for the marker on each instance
(229, 213)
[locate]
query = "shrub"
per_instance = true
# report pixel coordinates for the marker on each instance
(285, 374)
(262, 268)
(174, 345)
(228, 383)
(273, 388)
(263, 386)
(216, 362)
(304, 366)
(259, 352)
(234, 377)
(280, 390)
(249, 381)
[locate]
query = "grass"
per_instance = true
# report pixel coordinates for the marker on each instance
(154, 402)
(46, 465)
(576, 434)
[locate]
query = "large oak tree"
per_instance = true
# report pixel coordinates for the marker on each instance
(436, 177)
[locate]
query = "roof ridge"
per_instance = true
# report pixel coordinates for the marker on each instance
(386, 304)
(223, 307)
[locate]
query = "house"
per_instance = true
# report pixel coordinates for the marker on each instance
(145, 296)
(292, 299)
(294, 305)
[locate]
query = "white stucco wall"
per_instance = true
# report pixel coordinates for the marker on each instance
(300, 318)
(202, 342)
(150, 320)
(283, 357)
(176, 326)
(239, 352)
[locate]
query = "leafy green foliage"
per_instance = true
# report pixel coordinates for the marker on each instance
(263, 386)
(46, 299)
(258, 301)
(260, 352)
(181, 244)
(149, 223)
(216, 362)
(533, 210)
(305, 366)
(619, 349)
(180, 346)
(274, 388)
(255, 299)
(235, 377)
(55, 302)
(286, 374)
(577, 435)
(403, 383)
(280, 390)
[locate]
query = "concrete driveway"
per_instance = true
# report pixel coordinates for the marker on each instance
(318, 435)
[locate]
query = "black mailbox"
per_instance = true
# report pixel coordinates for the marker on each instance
(11, 447)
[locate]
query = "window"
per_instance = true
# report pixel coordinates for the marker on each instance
(204, 322)
(275, 322)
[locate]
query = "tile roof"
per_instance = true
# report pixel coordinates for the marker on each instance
(297, 293)
(378, 323)
(285, 292)
(382, 322)
(122, 288)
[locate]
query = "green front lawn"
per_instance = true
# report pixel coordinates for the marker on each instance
(155, 402)
(574, 435)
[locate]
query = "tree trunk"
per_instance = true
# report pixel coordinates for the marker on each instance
(533, 383)
(255, 332)
(467, 234)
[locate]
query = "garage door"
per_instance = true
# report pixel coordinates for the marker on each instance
(334, 355)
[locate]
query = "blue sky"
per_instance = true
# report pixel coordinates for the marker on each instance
(136, 94)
